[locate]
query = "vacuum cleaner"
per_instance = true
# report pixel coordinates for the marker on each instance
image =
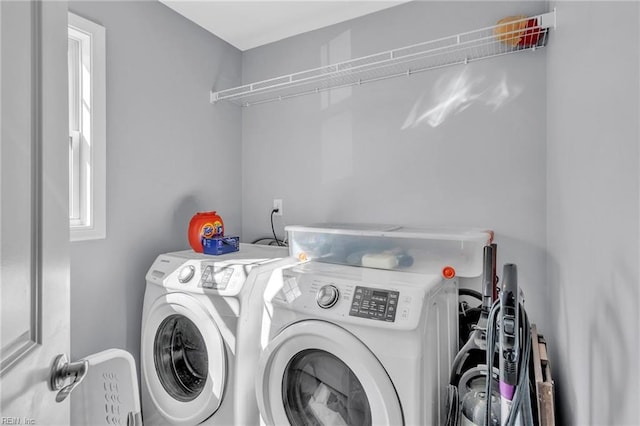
(489, 381)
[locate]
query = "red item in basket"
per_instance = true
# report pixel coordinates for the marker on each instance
(531, 34)
(518, 31)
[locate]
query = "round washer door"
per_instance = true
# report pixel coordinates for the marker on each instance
(316, 373)
(184, 361)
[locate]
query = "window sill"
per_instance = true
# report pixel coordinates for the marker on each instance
(86, 233)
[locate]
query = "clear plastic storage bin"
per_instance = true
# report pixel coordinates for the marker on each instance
(391, 247)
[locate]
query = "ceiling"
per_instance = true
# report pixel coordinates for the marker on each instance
(249, 24)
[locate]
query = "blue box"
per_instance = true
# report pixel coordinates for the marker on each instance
(220, 245)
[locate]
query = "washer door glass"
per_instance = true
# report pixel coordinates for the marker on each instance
(181, 358)
(319, 389)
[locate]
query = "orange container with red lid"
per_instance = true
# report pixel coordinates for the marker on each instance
(204, 225)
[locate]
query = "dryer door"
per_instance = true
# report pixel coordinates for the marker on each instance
(184, 361)
(316, 373)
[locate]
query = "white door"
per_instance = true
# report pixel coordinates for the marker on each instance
(315, 373)
(34, 231)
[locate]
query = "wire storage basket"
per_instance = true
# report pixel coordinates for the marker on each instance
(509, 35)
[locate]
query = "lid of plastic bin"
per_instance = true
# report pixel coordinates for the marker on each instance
(339, 227)
(108, 395)
(396, 231)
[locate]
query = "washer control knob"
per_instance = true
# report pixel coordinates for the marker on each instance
(327, 296)
(186, 273)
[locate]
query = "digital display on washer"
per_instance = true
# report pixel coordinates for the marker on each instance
(374, 304)
(215, 277)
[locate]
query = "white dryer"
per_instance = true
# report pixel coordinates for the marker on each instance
(345, 345)
(196, 324)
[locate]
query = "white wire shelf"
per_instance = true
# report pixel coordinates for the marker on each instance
(516, 35)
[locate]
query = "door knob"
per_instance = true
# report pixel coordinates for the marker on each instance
(62, 370)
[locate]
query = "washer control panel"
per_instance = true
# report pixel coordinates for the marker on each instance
(374, 303)
(349, 294)
(225, 275)
(201, 276)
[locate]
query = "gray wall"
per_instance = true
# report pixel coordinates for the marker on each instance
(553, 169)
(375, 153)
(592, 193)
(169, 154)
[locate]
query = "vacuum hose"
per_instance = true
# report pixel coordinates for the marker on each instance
(514, 357)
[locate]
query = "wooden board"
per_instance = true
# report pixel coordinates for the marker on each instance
(544, 382)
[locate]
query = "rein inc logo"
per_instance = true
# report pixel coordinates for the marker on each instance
(17, 421)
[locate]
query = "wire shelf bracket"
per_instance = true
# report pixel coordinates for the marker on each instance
(512, 36)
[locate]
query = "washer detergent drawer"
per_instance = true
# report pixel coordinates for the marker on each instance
(108, 395)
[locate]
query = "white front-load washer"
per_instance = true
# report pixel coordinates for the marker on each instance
(197, 328)
(345, 345)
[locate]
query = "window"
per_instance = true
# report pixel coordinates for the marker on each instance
(87, 129)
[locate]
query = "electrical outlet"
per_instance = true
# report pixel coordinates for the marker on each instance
(277, 204)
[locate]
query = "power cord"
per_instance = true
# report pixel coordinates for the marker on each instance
(279, 242)
(269, 241)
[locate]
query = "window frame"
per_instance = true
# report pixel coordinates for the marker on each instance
(87, 135)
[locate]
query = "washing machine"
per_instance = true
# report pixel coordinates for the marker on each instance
(347, 345)
(198, 328)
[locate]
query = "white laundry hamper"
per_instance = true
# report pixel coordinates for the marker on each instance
(108, 395)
